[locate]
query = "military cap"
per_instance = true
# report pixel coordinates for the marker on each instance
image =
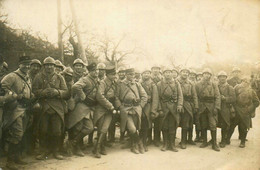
(68, 71)
(167, 69)
(121, 69)
(5, 65)
(207, 70)
(222, 73)
(130, 70)
(199, 73)
(78, 61)
(49, 60)
(146, 70)
(101, 66)
(92, 67)
(111, 70)
(35, 61)
(236, 69)
(24, 59)
(156, 66)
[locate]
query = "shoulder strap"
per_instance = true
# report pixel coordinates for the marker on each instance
(24, 81)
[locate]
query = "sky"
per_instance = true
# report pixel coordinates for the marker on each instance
(190, 31)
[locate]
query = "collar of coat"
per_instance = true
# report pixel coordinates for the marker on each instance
(183, 81)
(147, 82)
(129, 82)
(95, 80)
(25, 76)
(108, 81)
(168, 81)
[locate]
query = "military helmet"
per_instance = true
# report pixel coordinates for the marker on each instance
(78, 61)
(192, 71)
(236, 69)
(207, 70)
(146, 70)
(167, 69)
(68, 71)
(175, 69)
(5, 65)
(49, 60)
(35, 61)
(184, 68)
(121, 69)
(156, 66)
(101, 66)
(222, 73)
(58, 64)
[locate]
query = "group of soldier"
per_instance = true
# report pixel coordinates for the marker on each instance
(59, 106)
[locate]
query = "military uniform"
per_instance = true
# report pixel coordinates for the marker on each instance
(171, 100)
(224, 117)
(246, 103)
(150, 109)
(80, 119)
(190, 103)
(209, 104)
(256, 85)
(131, 98)
(51, 123)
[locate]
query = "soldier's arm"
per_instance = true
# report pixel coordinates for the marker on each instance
(117, 96)
(159, 96)
(7, 82)
(180, 95)
(143, 95)
(255, 99)
(194, 97)
(63, 91)
(231, 98)
(77, 89)
(217, 97)
(101, 98)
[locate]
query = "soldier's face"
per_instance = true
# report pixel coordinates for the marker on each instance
(167, 75)
(49, 68)
(174, 74)
(199, 77)
(94, 73)
(68, 78)
(25, 67)
(111, 77)
(35, 67)
(146, 75)
(236, 73)
(130, 76)
(184, 74)
(222, 79)
(121, 75)
(156, 70)
(101, 72)
(192, 76)
(206, 76)
(58, 70)
(78, 68)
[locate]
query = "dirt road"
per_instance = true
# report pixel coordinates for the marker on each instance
(231, 157)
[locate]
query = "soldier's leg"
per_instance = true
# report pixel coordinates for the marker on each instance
(165, 132)
(204, 125)
(197, 128)
(144, 132)
(112, 129)
(243, 133)
(172, 133)
(184, 128)
(213, 129)
(56, 125)
(157, 132)
(103, 131)
(130, 125)
(224, 128)
(233, 123)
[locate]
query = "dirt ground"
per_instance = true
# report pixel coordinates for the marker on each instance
(231, 157)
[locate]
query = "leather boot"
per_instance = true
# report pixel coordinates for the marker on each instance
(141, 147)
(165, 140)
(55, 147)
(122, 137)
(134, 143)
(17, 152)
(190, 141)
(243, 139)
(204, 136)
(172, 142)
(78, 150)
(144, 140)
(10, 164)
(214, 140)
(229, 134)
(183, 138)
(222, 144)
(102, 146)
(90, 139)
(149, 136)
(97, 147)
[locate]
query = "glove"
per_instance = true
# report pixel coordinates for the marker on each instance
(45, 92)
(118, 111)
(114, 111)
(179, 109)
(53, 92)
(153, 115)
(10, 97)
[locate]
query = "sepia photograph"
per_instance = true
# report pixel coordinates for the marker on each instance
(129, 84)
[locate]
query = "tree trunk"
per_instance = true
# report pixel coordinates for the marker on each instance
(60, 44)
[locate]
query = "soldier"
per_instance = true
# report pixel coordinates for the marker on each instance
(209, 105)
(228, 97)
(116, 117)
(51, 90)
(18, 84)
(190, 106)
(3, 69)
(59, 67)
(245, 106)
(156, 77)
(130, 99)
(175, 73)
(80, 122)
(199, 76)
(105, 109)
(137, 76)
(170, 107)
(255, 84)
(150, 109)
(192, 76)
(235, 79)
(35, 68)
(101, 71)
(78, 67)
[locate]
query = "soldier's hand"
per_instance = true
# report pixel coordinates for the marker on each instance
(114, 111)
(161, 114)
(223, 97)
(55, 92)
(153, 115)
(9, 97)
(179, 109)
(118, 111)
